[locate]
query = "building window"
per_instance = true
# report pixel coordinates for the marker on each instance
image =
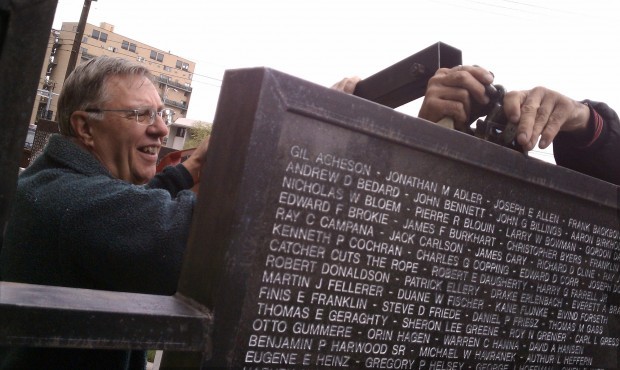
(84, 39)
(128, 46)
(167, 69)
(101, 36)
(180, 132)
(182, 65)
(112, 49)
(157, 56)
(140, 59)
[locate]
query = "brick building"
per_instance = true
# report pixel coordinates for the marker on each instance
(173, 73)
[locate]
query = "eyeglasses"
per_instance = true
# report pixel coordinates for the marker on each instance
(144, 116)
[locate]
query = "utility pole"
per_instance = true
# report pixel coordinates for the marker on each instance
(78, 38)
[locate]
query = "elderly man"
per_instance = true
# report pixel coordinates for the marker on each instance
(90, 212)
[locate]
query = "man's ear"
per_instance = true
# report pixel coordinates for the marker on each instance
(82, 128)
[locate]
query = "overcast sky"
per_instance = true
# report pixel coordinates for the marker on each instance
(566, 45)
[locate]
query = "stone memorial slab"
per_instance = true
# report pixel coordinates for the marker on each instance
(337, 233)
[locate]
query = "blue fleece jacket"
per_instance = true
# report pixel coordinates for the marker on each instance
(74, 225)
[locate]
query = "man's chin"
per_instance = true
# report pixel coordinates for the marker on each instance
(144, 176)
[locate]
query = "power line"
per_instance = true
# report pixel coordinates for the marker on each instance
(521, 9)
(194, 74)
(554, 11)
(163, 65)
(152, 61)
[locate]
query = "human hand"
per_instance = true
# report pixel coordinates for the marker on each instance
(450, 92)
(194, 163)
(542, 113)
(347, 84)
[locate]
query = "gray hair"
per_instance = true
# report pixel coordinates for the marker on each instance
(86, 87)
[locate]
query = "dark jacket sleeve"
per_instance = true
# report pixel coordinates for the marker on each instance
(600, 159)
(173, 179)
